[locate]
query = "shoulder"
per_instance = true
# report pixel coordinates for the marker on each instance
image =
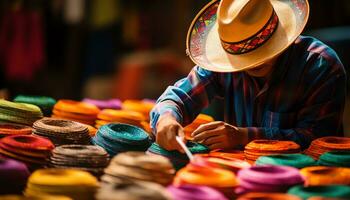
(317, 57)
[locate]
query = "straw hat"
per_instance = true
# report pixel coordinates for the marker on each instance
(236, 35)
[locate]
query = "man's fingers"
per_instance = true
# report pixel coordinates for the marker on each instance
(205, 127)
(205, 135)
(213, 140)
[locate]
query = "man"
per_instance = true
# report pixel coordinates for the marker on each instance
(275, 83)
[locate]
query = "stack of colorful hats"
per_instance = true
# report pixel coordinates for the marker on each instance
(124, 188)
(44, 103)
(325, 144)
(20, 113)
(293, 160)
(140, 106)
(107, 116)
(268, 196)
(201, 119)
(229, 163)
(139, 166)
(61, 131)
(7, 129)
(206, 175)
(30, 149)
(340, 192)
(69, 182)
(85, 157)
(178, 159)
(116, 138)
(268, 178)
(335, 158)
(105, 104)
(76, 111)
(194, 192)
(258, 148)
(13, 175)
(321, 175)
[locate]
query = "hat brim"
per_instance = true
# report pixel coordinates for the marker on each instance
(205, 49)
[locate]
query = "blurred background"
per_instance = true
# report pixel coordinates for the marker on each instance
(128, 49)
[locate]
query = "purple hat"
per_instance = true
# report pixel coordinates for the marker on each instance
(195, 192)
(14, 175)
(104, 104)
(268, 178)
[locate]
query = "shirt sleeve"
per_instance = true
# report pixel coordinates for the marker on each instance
(187, 97)
(322, 107)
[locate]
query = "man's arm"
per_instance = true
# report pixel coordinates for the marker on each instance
(186, 99)
(180, 104)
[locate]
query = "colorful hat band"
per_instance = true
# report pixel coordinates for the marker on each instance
(254, 41)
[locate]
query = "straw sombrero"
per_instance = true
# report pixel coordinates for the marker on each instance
(236, 35)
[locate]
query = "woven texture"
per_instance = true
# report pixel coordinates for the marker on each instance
(178, 159)
(139, 166)
(7, 129)
(258, 148)
(85, 157)
(76, 111)
(117, 138)
(292, 160)
(61, 131)
(20, 113)
(325, 144)
(32, 150)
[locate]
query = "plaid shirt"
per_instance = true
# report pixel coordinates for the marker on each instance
(302, 99)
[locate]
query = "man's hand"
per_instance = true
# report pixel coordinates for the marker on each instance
(167, 129)
(220, 135)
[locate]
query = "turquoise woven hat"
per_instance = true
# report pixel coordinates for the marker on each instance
(44, 103)
(294, 160)
(332, 191)
(118, 137)
(335, 158)
(178, 159)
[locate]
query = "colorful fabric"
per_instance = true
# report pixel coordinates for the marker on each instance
(320, 175)
(194, 192)
(314, 108)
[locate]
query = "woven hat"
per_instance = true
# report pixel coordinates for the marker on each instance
(139, 166)
(68, 182)
(257, 148)
(325, 144)
(117, 138)
(268, 178)
(89, 158)
(235, 35)
(14, 175)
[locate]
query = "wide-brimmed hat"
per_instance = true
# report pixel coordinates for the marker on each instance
(236, 35)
